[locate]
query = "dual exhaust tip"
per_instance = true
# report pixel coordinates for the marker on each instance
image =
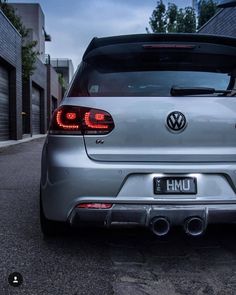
(193, 226)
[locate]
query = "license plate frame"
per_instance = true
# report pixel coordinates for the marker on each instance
(175, 185)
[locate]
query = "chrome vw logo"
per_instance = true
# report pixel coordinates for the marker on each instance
(176, 122)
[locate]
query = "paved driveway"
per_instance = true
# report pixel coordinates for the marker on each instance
(100, 262)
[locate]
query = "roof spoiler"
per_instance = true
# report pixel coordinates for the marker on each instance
(146, 38)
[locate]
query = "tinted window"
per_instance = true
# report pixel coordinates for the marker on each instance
(152, 83)
(150, 75)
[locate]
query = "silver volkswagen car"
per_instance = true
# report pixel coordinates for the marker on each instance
(145, 136)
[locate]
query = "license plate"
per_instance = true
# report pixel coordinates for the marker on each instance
(175, 185)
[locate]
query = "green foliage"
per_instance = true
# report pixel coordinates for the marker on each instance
(172, 19)
(189, 20)
(180, 27)
(29, 57)
(158, 19)
(172, 14)
(207, 10)
(29, 54)
(180, 20)
(62, 81)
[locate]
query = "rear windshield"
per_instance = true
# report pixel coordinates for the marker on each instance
(132, 77)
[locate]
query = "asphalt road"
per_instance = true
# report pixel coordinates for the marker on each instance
(100, 262)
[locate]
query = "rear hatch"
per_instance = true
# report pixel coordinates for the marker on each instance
(133, 81)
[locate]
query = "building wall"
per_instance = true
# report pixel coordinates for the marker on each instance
(64, 67)
(38, 80)
(33, 19)
(43, 82)
(10, 57)
(54, 92)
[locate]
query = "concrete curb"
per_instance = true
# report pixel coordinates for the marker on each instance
(8, 143)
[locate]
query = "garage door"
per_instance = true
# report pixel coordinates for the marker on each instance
(35, 111)
(4, 104)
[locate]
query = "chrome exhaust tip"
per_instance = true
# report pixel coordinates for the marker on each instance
(160, 226)
(194, 226)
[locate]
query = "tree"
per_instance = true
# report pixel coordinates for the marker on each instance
(172, 19)
(62, 81)
(207, 8)
(180, 20)
(158, 19)
(29, 54)
(180, 27)
(190, 24)
(171, 15)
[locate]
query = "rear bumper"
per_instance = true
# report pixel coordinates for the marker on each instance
(128, 215)
(70, 177)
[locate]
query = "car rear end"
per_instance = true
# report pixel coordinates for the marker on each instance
(126, 149)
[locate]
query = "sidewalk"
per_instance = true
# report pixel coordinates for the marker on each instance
(4, 144)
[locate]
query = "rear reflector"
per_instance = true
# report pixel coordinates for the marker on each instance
(94, 206)
(81, 120)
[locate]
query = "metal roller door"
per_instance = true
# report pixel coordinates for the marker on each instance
(4, 104)
(35, 110)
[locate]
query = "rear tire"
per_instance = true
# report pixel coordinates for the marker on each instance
(51, 228)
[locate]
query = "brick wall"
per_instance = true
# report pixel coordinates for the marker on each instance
(10, 57)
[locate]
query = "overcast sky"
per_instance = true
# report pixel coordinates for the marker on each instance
(73, 23)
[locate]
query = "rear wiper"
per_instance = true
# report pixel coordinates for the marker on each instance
(179, 91)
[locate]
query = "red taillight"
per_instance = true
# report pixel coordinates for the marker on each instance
(71, 116)
(66, 120)
(94, 206)
(91, 121)
(81, 120)
(99, 117)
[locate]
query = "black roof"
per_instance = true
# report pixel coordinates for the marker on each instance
(223, 23)
(143, 38)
